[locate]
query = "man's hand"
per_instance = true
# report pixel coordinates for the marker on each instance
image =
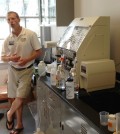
(14, 58)
(22, 61)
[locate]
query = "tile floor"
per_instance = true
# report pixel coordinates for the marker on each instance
(28, 121)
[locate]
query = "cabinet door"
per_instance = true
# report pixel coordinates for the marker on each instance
(69, 122)
(49, 109)
(54, 126)
(66, 129)
(43, 115)
(54, 105)
(74, 122)
(64, 12)
(43, 110)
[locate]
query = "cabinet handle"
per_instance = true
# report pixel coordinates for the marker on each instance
(60, 124)
(62, 127)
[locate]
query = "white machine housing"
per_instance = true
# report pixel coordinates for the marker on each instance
(89, 39)
(97, 74)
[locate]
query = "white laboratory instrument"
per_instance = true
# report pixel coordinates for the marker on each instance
(87, 39)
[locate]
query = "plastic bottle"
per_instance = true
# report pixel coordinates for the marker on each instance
(53, 77)
(70, 87)
(42, 68)
(112, 123)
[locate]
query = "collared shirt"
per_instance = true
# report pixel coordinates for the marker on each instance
(22, 45)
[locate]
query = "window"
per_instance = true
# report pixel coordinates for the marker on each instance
(32, 13)
(48, 11)
(28, 11)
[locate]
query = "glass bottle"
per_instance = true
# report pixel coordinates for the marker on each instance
(60, 76)
(70, 87)
(74, 75)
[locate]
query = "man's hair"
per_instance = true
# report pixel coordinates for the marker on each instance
(14, 13)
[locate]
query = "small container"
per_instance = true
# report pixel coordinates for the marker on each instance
(104, 118)
(111, 123)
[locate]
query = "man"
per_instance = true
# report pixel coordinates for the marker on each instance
(20, 49)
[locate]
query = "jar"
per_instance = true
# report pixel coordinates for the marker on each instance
(111, 123)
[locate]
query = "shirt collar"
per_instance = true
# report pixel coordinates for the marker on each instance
(21, 33)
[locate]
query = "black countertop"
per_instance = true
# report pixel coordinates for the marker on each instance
(85, 106)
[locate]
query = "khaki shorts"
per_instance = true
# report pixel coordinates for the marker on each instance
(19, 82)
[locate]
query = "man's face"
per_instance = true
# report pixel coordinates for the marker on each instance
(13, 20)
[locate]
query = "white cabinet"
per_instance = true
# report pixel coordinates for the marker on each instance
(60, 12)
(57, 116)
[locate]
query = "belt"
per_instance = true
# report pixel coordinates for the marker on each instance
(20, 69)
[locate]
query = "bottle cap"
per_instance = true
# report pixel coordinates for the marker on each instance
(59, 67)
(41, 61)
(69, 79)
(73, 71)
(111, 116)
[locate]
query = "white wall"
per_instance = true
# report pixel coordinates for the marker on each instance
(57, 32)
(84, 8)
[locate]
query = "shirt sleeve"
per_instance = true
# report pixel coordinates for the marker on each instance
(35, 42)
(5, 49)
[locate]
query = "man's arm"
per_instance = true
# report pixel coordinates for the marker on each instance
(6, 58)
(33, 56)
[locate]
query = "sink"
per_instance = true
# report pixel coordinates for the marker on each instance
(103, 100)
